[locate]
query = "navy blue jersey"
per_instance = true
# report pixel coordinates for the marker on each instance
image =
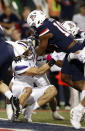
(6, 58)
(6, 55)
(61, 37)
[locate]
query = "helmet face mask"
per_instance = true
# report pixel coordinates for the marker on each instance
(71, 27)
(28, 55)
(36, 18)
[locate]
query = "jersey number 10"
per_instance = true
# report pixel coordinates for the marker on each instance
(61, 28)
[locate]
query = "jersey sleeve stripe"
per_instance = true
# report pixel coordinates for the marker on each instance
(44, 32)
(17, 68)
(23, 44)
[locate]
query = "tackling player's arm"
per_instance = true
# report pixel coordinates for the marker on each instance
(37, 71)
(59, 63)
(43, 43)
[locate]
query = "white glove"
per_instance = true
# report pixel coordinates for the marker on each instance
(54, 55)
(71, 56)
(80, 56)
(58, 56)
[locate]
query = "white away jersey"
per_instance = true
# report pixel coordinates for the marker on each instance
(21, 67)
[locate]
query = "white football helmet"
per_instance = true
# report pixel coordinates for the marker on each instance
(21, 46)
(71, 27)
(27, 47)
(36, 18)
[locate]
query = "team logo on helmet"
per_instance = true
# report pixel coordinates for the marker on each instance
(33, 17)
(71, 25)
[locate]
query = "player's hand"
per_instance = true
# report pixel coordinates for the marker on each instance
(80, 55)
(55, 56)
(58, 56)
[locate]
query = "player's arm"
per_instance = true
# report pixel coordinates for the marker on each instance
(41, 70)
(43, 43)
(59, 63)
(37, 71)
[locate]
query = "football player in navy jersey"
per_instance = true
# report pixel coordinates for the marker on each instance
(51, 31)
(7, 53)
(78, 33)
(80, 36)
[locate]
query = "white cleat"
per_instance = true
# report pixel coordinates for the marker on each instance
(75, 117)
(27, 114)
(83, 118)
(28, 119)
(57, 116)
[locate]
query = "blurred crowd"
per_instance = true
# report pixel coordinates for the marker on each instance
(13, 16)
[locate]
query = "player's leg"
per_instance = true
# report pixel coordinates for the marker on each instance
(24, 96)
(9, 106)
(77, 112)
(70, 69)
(55, 114)
(22, 91)
(41, 96)
(41, 82)
(76, 70)
(9, 110)
(4, 89)
(74, 84)
(45, 98)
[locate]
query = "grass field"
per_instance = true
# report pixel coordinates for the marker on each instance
(44, 116)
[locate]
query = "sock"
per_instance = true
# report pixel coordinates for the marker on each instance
(80, 106)
(36, 106)
(21, 107)
(8, 94)
(9, 111)
(29, 110)
(82, 95)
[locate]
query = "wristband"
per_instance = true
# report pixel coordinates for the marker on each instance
(51, 62)
(49, 57)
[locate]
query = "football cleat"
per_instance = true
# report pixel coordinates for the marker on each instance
(27, 112)
(57, 116)
(15, 106)
(76, 115)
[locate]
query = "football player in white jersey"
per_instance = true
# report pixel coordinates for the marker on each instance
(26, 73)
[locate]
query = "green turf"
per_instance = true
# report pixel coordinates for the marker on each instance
(45, 117)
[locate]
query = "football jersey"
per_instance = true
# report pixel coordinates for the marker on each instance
(22, 66)
(61, 37)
